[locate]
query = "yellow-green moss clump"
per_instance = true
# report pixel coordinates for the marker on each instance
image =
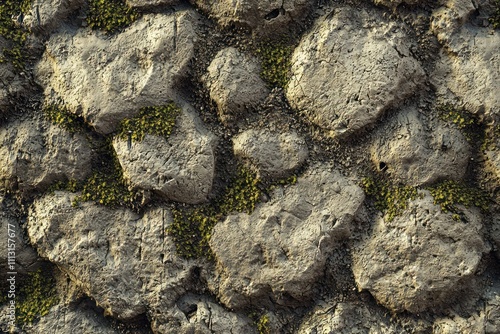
(36, 296)
(495, 17)
(263, 325)
(61, 116)
(276, 62)
(110, 15)
(468, 123)
(448, 194)
(390, 199)
(13, 32)
(158, 120)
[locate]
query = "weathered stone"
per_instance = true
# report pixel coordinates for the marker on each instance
(273, 154)
(107, 79)
(468, 71)
(263, 17)
(414, 156)
(350, 68)
(447, 19)
(280, 250)
(234, 84)
(36, 154)
(180, 168)
(12, 84)
(347, 318)
(102, 249)
(49, 14)
(150, 3)
(421, 259)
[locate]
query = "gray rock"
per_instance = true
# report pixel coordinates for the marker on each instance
(414, 156)
(181, 168)
(107, 79)
(273, 154)
(421, 259)
(280, 250)
(468, 71)
(349, 69)
(495, 233)
(122, 260)
(47, 15)
(150, 3)
(446, 20)
(263, 17)
(347, 318)
(493, 158)
(12, 84)
(36, 154)
(234, 84)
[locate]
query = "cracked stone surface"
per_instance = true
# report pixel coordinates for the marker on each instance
(280, 250)
(421, 259)
(48, 15)
(101, 249)
(180, 168)
(349, 69)
(107, 79)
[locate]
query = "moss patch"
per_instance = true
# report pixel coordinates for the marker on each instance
(36, 296)
(13, 32)
(390, 199)
(468, 123)
(158, 120)
(495, 17)
(110, 15)
(263, 325)
(61, 116)
(276, 62)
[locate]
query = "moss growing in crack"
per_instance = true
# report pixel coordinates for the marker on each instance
(494, 19)
(110, 15)
(263, 325)
(36, 296)
(276, 62)
(390, 199)
(449, 194)
(243, 194)
(61, 116)
(468, 123)
(13, 32)
(158, 120)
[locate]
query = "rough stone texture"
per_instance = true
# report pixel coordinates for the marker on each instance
(347, 318)
(273, 154)
(415, 156)
(421, 259)
(47, 15)
(124, 261)
(495, 233)
(107, 79)
(36, 154)
(349, 69)
(181, 168)
(486, 321)
(447, 19)
(280, 249)
(12, 84)
(234, 84)
(150, 3)
(468, 71)
(263, 17)
(493, 158)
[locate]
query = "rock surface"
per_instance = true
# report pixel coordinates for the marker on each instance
(101, 249)
(12, 84)
(107, 79)
(414, 156)
(468, 71)
(280, 250)
(263, 17)
(234, 84)
(421, 259)
(180, 168)
(150, 3)
(349, 69)
(36, 154)
(273, 154)
(446, 20)
(47, 15)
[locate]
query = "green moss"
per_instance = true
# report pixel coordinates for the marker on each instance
(468, 123)
(13, 32)
(110, 15)
(263, 325)
(276, 62)
(243, 194)
(61, 116)
(448, 194)
(36, 296)
(390, 199)
(495, 17)
(158, 120)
